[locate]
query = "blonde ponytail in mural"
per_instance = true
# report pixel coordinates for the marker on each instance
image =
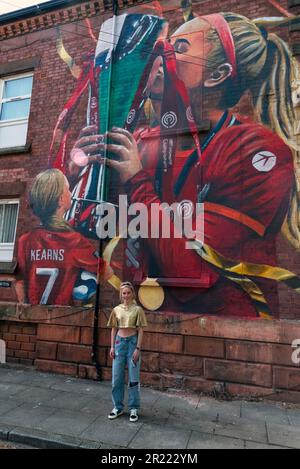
(279, 112)
(266, 67)
(44, 196)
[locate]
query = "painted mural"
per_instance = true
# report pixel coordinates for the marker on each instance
(163, 115)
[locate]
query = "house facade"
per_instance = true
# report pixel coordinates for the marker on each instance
(195, 202)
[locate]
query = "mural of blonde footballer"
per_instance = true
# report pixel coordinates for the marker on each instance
(244, 176)
(243, 172)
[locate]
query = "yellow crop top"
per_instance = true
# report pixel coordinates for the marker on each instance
(127, 316)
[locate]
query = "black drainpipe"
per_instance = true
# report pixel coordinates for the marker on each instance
(98, 290)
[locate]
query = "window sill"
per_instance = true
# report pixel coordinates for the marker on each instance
(15, 150)
(8, 267)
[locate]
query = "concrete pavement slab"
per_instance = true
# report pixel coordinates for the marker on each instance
(190, 419)
(11, 389)
(71, 401)
(27, 415)
(294, 417)
(149, 397)
(113, 432)
(98, 407)
(283, 435)
(242, 428)
(210, 408)
(264, 412)
(181, 399)
(200, 440)
(158, 416)
(153, 436)
(81, 386)
(164, 402)
(9, 404)
(15, 376)
(38, 395)
(41, 380)
(251, 445)
(66, 422)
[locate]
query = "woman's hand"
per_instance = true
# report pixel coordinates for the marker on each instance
(112, 353)
(136, 355)
(127, 150)
(86, 149)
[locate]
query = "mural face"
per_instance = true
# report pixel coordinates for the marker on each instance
(153, 90)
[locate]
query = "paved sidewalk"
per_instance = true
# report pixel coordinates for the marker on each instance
(55, 411)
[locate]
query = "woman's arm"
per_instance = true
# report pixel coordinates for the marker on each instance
(137, 351)
(112, 342)
(140, 338)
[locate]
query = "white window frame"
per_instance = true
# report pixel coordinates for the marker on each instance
(7, 249)
(20, 120)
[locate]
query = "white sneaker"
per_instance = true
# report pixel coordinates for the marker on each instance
(133, 415)
(115, 413)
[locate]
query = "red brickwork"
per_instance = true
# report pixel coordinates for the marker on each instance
(20, 339)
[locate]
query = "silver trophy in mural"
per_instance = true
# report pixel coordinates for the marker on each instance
(123, 61)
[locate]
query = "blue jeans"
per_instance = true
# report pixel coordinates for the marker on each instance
(124, 348)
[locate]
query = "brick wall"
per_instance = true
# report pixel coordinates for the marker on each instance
(20, 339)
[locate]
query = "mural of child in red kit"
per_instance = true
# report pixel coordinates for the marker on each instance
(51, 256)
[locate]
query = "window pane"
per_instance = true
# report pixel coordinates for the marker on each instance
(7, 234)
(15, 109)
(13, 135)
(18, 87)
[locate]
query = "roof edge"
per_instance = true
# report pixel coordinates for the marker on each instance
(36, 10)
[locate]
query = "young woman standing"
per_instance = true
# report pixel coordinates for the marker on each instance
(127, 321)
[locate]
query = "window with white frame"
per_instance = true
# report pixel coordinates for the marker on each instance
(8, 224)
(15, 97)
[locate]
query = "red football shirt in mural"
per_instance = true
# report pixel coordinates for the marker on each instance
(49, 263)
(248, 175)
